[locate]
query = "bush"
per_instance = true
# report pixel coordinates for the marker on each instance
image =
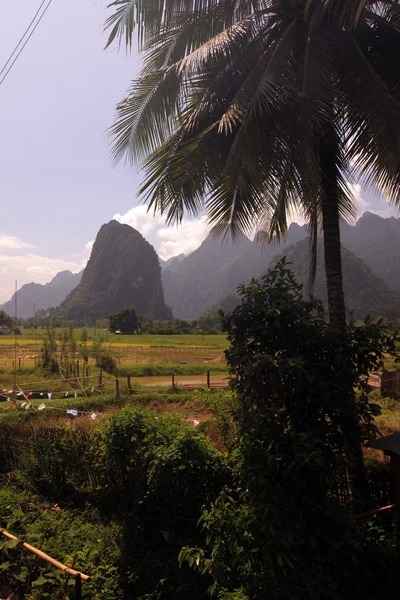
(148, 473)
(282, 533)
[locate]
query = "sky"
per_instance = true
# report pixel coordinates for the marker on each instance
(57, 182)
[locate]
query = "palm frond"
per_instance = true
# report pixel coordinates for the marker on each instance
(147, 115)
(121, 22)
(373, 120)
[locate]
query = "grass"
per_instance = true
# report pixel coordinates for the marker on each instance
(186, 404)
(158, 370)
(389, 420)
(128, 351)
(31, 337)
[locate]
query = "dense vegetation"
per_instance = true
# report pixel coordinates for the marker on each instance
(124, 320)
(281, 532)
(121, 495)
(138, 484)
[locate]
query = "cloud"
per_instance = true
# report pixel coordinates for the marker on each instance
(89, 246)
(360, 203)
(184, 238)
(9, 242)
(140, 219)
(81, 258)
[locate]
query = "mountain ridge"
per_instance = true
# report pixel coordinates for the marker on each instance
(36, 296)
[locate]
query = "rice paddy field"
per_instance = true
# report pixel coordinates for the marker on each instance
(163, 373)
(158, 367)
(128, 350)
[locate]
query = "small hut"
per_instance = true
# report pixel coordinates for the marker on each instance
(390, 445)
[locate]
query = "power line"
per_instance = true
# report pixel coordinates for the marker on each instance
(26, 41)
(22, 38)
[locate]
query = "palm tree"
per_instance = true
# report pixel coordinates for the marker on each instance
(246, 110)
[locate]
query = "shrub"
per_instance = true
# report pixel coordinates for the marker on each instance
(282, 533)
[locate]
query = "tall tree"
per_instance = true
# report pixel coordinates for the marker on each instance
(124, 320)
(247, 110)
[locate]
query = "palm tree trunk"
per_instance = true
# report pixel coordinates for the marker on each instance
(356, 472)
(332, 246)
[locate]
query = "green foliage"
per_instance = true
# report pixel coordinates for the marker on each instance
(146, 474)
(5, 320)
(281, 533)
(247, 134)
(79, 538)
(178, 327)
(83, 349)
(49, 350)
(155, 370)
(124, 320)
(220, 404)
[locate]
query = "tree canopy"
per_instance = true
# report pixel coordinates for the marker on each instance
(124, 320)
(230, 107)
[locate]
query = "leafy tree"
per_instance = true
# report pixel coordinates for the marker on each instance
(5, 320)
(247, 113)
(125, 320)
(84, 350)
(209, 323)
(282, 533)
(49, 349)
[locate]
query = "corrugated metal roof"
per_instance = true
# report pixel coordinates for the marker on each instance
(389, 443)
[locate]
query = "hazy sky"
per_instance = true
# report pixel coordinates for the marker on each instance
(56, 180)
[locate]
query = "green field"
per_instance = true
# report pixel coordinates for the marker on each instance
(31, 337)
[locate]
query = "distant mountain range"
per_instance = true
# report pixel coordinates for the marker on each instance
(35, 296)
(212, 272)
(377, 242)
(365, 292)
(124, 270)
(215, 269)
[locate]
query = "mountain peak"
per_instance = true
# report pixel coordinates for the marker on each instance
(63, 278)
(123, 270)
(368, 218)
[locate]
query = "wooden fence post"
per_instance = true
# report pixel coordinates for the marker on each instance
(384, 381)
(173, 380)
(208, 379)
(78, 587)
(100, 377)
(117, 396)
(128, 377)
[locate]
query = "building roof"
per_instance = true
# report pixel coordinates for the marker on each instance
(389, 443)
